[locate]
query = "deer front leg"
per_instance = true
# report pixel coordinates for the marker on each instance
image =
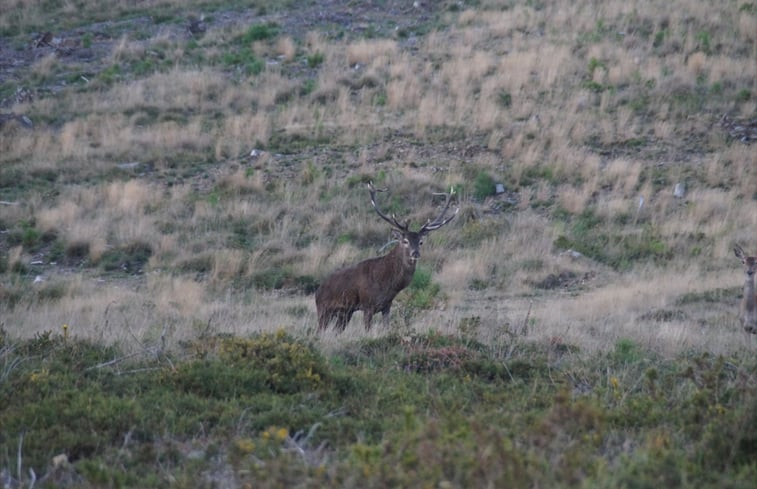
(385, 315)
(343, 317)
(367, 318)
(323, 320)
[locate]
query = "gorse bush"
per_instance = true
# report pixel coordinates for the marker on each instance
(452, 452)
(393, 411)
(82, 406)
(290, 365)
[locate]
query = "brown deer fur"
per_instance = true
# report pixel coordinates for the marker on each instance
(748, 309)
(371, 285)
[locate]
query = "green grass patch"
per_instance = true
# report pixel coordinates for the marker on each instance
(505, 98)
(260, 32)
(422, 291)
(483, 186)
(130, 258)
(383, 412)
(244, 60)
(718, 295)
(316, 59)
(599, 240)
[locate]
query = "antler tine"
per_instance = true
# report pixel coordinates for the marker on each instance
(440, 221)
(391, 220)
(374, 189)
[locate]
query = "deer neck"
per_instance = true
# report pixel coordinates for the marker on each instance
(749, 298)
(403, 268)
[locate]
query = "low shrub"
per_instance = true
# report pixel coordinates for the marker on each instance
(396, 411)
(290, 365)
(260, 32)
(483, 186)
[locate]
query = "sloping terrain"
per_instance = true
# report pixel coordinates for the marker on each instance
(180, 173)
(217, 152)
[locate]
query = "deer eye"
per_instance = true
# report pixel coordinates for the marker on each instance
(420, 242)
(405, 241)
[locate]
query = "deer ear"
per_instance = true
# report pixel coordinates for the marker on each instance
(738, 252)
(396, 234)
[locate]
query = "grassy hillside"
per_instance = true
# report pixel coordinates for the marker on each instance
(179, 176)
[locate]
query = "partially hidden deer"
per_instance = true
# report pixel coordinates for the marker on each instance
(371, 285)
(748, 310)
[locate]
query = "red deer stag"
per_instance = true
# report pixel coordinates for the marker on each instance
(371, 285)
(748, 314)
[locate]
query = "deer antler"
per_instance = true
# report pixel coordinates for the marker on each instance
(391, 220)
(440, 221)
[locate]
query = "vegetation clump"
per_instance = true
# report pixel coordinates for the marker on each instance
(291, 366)
(429, 408)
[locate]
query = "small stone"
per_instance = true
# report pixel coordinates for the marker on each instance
(60, 460)
(128, 166)
(196, 455)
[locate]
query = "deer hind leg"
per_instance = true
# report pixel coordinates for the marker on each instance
(342, 318)
(368, 319)
(385, 315)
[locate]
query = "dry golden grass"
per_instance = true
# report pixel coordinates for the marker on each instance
(597, 319)
(286, 48)
(574, 106)
(365, 51)
(108, 215)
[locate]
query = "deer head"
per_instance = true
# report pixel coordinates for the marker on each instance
(410, 241)
(749, 262)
